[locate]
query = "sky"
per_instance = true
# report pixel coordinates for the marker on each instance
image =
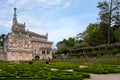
(61, 19)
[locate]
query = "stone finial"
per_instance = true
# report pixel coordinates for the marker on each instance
(15, 16)
(15, 9)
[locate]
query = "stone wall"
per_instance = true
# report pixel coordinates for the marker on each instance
(42, 49)
(18, 56)
(2, 54)
(1, 49)
(19, 46)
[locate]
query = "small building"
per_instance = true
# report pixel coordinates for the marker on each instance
(23, 45)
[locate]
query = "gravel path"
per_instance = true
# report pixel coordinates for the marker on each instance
(104, 77)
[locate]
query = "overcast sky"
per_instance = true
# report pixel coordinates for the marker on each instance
(59, 18)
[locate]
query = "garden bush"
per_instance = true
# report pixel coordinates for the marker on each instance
(99, 68)
(115, 50)
(102, 52)
(94, 53)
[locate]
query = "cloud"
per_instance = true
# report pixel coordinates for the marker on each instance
(59, 18)
(28, 3)
(5, 23)
(58, 30)
(5, 26)
(42, 3)
(10, 1)
(67, 4)
(50, 2)
(67, 27)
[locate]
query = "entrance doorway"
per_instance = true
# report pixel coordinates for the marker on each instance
(37, 57)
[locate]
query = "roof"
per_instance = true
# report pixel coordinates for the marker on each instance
(21, 25)
(48, 42)
(32, 34)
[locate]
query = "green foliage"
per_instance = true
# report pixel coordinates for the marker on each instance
(70, 42)
(94, 53)
(91, 34)
(63, 65)
(102, 52)
(63, 50)
(68, 76)
(115, 50)
(30, 62)
(100, 68)
(39, 71)
(103, 33)
(117, 34)
(63, 46)
(86, 75)
(81, 44)
(110, 15)
(2, 36)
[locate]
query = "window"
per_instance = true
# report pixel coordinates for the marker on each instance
(43, 52)
(48, 52)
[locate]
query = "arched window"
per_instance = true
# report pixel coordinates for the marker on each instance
(37, 57)
(48, 52)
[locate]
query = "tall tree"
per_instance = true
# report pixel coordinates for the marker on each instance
(103, 33)
(91, 34)
(109, 11)
(70, 42)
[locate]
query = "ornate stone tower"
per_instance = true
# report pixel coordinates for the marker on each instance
(15, 17)
(17, 26)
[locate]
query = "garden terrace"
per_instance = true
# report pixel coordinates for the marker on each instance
(60, 70)
(104, 47)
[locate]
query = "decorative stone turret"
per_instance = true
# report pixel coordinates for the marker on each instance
(17, 26)
(15, 17)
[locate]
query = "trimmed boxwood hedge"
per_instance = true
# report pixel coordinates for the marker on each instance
(39, 71)
(100, 68)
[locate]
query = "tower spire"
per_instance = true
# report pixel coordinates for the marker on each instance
(15, 17)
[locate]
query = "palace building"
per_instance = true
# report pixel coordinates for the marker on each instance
(23, 45)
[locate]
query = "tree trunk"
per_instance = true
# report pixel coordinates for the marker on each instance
(109, 21)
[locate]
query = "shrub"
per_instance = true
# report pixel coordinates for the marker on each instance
(62, 75)
(94, 53)
(115, 51)
(86, 75)
(30, 62)
(102, 52)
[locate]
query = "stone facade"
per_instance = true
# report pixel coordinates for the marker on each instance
(22, 45)
(2, 55)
